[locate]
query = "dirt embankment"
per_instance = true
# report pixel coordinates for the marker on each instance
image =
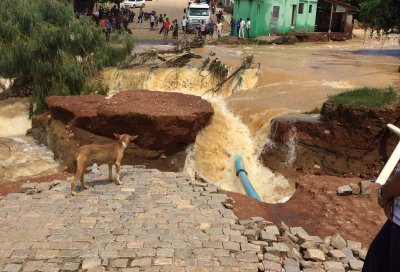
(318, 209)
(341, 141)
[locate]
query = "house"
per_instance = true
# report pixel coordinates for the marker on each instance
(335, 16)
(270, 17)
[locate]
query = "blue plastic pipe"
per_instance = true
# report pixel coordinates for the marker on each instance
(242, 174)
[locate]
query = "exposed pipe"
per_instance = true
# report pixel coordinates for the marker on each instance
(393, 160)
(242, 174)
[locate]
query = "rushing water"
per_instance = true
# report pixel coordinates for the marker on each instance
(25, 157)
(292, 79)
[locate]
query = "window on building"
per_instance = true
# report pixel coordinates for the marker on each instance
(309, 8)
(301, 8)
(275, 12)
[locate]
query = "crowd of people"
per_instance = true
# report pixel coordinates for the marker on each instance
(119, 19)
(239, 27)
(114, 19)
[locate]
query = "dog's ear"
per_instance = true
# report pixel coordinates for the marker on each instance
(131, 138)
(117, 136)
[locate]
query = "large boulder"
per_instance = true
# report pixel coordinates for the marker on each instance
(163, 120)
(339, 141)
(80, 111)
(168, 121)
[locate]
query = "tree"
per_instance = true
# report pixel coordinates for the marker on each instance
(60, 54)
(380, 15)
(84, 6)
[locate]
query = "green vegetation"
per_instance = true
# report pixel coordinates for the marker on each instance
(60, 54)
(369, 98)
(380, 15)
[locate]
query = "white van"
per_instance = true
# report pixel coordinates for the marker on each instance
(134, 3)
(197, 13)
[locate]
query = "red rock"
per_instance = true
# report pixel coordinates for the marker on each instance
(80, 111)
(163, 120)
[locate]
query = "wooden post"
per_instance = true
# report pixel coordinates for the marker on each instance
(330, 20)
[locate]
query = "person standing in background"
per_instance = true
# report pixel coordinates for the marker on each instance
(184, 24)
(219, 29)
(166, 26)
(202, 28)
(248, 27)
(211, 27)
(232, 24)
(152, 21)
(238, 27)
(241, 28)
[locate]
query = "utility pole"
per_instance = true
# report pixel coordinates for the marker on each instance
(330, 20)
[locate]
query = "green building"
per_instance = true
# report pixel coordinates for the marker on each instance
(270, 17)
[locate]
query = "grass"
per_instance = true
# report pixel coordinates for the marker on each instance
(369, 98)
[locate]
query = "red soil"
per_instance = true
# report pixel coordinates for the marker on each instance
(14, 186)
(318, 209)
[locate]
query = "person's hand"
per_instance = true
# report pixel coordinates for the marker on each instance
(388, 209)
(382, 199)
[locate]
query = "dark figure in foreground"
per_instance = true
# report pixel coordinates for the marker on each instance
(384, 251)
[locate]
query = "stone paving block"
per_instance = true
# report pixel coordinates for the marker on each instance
(46, 253)
(120, 263)
(5, 253)
(356, 264)
(151, 269)
(221, 253)
(231, 246)
(23, 253)
(247, 257)
(162, 261)
(89, 263)
(248, 266)
(50, 267)
(31, 266)
(272, 266)
(132, 269)
(146, 252)
(165, 252)
(12, 267)
(238, 239)
(228, 261)
(71, 266)
(141, 262)
(96, 269)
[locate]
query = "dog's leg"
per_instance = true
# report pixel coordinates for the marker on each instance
(80, 171)
(117, 168)
(110, 171)
(84, 186)
(73, 193)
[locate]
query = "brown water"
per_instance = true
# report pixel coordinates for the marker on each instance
(26, 158)
(292, 79)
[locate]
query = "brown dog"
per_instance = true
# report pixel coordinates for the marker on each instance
(100, 154)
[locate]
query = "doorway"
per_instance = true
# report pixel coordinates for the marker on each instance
(293, 14)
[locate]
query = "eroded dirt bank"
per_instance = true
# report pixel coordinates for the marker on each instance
(316, 207)
(341, 140)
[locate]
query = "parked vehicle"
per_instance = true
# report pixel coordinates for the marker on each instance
(134, 3)
(197, 13)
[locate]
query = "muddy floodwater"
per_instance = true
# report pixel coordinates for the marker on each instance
(291, 79)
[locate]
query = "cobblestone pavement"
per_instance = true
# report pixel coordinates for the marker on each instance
(155, 221)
